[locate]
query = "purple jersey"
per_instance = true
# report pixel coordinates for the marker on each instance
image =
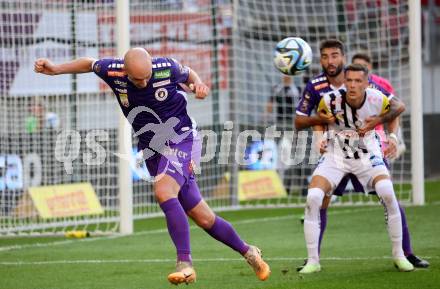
(161, 100)
(317, 87)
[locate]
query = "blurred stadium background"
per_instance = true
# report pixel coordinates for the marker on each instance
(229, 43)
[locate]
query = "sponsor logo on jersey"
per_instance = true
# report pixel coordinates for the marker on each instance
(168, 151)
(161, 83)
(123, 97)
(116, 73)
(121, 90)
(120, 83)
(165, 73)
(161, 94)
(321, 86)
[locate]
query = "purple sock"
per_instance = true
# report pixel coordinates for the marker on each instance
(178, 228)
(225, 233)
(323, 217)
(406, 240)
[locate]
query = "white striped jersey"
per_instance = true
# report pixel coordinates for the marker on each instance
(343, 137)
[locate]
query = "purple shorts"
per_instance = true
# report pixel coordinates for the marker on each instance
(340, 188)
(179, 161)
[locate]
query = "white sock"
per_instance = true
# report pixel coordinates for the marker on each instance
(385, 191)
(312, 223)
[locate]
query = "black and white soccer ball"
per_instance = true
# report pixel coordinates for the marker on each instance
(292, 55)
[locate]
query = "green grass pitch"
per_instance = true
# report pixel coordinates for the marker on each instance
(355, 253)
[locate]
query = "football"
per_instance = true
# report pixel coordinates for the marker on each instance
(292, 55)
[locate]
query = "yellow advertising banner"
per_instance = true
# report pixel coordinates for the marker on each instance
(65, 200)
(264, 184)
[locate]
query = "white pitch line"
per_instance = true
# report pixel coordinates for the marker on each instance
(158, 231)
(146, 261)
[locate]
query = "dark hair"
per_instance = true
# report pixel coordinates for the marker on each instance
(363, 56)
(356, 67)
(332, 43)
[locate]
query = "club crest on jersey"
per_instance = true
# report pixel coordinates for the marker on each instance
(161, 94)
(358, 123)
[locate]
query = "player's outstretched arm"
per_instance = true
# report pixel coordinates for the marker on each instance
(196, 85)
(80, 65)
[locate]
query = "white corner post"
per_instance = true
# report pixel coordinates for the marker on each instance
(125, 179)
(417, 149)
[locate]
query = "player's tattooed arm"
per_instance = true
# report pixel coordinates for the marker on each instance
(396, 107)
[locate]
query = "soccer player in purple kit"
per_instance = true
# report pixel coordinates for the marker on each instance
(148, 90)
(332, 58)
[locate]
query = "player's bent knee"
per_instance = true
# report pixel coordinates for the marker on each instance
(384, 189)
(202, 215)
(163, 195)
(315, 196)
(166, 189)
(205, 223)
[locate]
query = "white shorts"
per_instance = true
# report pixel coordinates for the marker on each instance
(334, 168)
